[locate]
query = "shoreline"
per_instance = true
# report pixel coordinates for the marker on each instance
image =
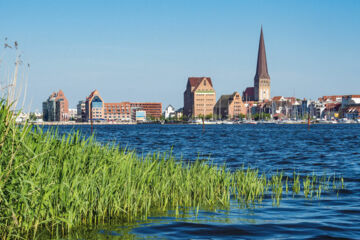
(172, 123)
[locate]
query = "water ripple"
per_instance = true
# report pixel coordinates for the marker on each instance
(330, 149)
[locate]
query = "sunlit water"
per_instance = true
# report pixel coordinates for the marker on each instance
(329, 149)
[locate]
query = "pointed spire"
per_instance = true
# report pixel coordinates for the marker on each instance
(261, 68)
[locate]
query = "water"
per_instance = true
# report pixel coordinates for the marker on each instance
(325, 149)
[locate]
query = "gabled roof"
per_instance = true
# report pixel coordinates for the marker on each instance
(56, 96)
(224, 100)
(195, 81)
(329, 98)
(277, 98)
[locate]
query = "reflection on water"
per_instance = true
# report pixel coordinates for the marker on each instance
(324, 149)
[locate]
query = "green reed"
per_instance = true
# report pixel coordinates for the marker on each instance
(52, 183)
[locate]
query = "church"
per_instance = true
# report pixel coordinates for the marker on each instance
(261, 90)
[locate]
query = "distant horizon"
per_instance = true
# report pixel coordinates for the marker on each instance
(144, 51)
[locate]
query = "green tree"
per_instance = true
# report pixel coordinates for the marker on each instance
(32, 117)
(209, 116)
(241, 116)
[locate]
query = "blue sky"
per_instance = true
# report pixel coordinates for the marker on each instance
(146, 50)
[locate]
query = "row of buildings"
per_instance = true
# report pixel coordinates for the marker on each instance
(93, 108)
(200, 95)
(200, 101)
(326, 107)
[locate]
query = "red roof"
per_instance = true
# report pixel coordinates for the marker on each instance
(195, 81)
(91, 95)
(333, 106)
(277, 98)
(332, 98)
(291, 99)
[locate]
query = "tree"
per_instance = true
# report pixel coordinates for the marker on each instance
(262, 116)
(184, 118)
(209, 116)
(241, 116)
(32, 117)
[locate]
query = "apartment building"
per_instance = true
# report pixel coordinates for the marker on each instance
(56, 107)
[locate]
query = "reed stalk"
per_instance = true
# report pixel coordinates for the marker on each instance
(54, 183)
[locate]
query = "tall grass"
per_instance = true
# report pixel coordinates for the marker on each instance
(54, 183)
(51, 183)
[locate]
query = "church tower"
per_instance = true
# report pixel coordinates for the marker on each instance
(262, 78)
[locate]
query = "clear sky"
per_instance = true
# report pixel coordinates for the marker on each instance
(146, 50)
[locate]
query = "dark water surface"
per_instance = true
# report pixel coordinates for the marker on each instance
(325, 149)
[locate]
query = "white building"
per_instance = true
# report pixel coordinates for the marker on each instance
(169, 111)
(350, 100)
(72, 113)
(22, 117)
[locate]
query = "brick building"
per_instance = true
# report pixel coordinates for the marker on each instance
(152, 109)
(120, 111)
(199, 97)
(56, 107)
(229, 106)
(117, 111)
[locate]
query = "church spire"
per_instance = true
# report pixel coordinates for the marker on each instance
(261, 68)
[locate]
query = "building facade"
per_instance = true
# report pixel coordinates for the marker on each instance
(199, 97)
(97, 110)
(94, 107)
(153, 110)
(117, 111)
(72, 114)
(169, 112)
(229, 107)
(56, 107)
(262, 77)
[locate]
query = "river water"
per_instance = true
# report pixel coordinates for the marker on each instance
(329, 149)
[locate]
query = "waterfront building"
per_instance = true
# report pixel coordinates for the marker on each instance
(350, 106)
(331, 110)
(152, 109)
(72, 114)
(229, 107)
(179, 113)
(56, 107)
(348, 100)
(21, 117)
(94, 107)
(199, 97)
(117, 111)
(351, 112)
(169, 112)
(287, 107)
(330, 99)
(80, 107)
